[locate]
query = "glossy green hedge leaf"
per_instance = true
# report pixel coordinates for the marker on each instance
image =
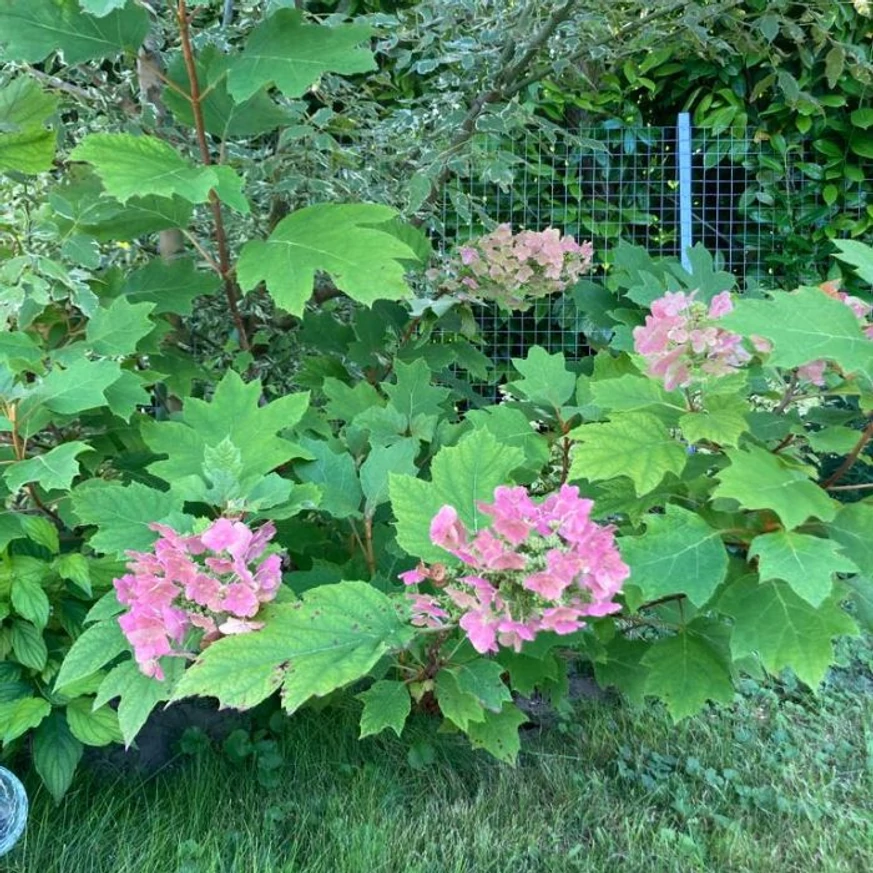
(498, 733)
(457, 705)
(223, 117)
(56, 469)
(21, 715)
(137, 694)
(117, 328)
(806, 563)
(723, 421)
(398, 458)
(678, 553)
(851, 528)
(334, 636)
(74, 567)
(93, 727)
(170, 286)
(28, 646)
(461, 476)
(687, 670)
(26, 144)
(345, 241)
(32, 29)
(235, 418)
(286, 52)
(783, 628)
(30, 601)
(545, 381)
(95, 648)
(758, 479)
(140, 166)
(122, 513)
(805, 325)
(56, 754)
(386, 705)
(636, 444)
(42, 531)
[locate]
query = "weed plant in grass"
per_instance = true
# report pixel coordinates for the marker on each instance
(781, 781)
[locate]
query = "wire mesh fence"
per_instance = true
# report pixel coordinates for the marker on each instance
(752, 208)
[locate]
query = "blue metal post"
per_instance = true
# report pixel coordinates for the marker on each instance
(683, 156)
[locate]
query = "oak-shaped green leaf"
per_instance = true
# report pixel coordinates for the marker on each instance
(127, 394)
(623, 669)
(805, 325)
(632, 391)
(805, 562)
(722, 420)
(862, 599)
(636, 444)
(851, 528)
(334, 636)
(758, 479)
(286, 52)
(346, 241)
(858, 254)
(56, 754)
(412, 394)
(137, 694)
(679, 553)
(55, 469)
(783, 628)
(687, 670)
(497, 733)
(223, 117)
(140, 166)
(93, 727)
(117, 328)
(545, 381)
(75, 388)
(484, 680)
(122, 514)
(458, 706)
(95, 648)
(171, 286)
(461, 476)
(99, 8)
(511, 427)
(32, 29)
(335, 474)
(397, 458)
(386, 705)
(26, 144)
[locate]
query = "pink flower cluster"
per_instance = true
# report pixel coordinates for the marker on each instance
(536, 567)
(814, 371)
(211, 581)
(511, 269)
(682, 343)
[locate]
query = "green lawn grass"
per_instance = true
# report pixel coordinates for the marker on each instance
(782, 781)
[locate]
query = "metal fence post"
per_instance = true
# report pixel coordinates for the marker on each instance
(683, 156)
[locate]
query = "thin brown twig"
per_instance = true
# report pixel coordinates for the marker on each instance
(853, 456)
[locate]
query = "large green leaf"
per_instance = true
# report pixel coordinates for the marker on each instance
(805, 325)
(545, 379)
(386, 705)
(292, 55)
(687, 670)
(632, 391)
(93, 727)
(758, 479)
(56, 754)
(722, 421)
(122, 514)
(140, 166)
(32, 29)
(222, 116)
(636, 444)
(457, 705)
(79, 386)
(461, 476)
(497, 733)
(117, 328)
(678, 553)
(26, 144)
(29, 600)
(335, 474)
(334, 636)
(806, 563)
(347, 241)
(783, 628)
(96, 647)
(21, 715)
(398, 458)
(858, 254)
(851, 528)
(171, 286)
(56, 469)
(28, 645)
(413, 395)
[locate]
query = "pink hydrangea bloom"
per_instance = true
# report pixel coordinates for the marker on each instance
(682, 344)
(537, 566)
(199, 582)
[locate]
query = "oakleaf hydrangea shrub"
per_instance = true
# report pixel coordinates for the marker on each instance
(537, 567)
(212, 583)
(513, 269)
